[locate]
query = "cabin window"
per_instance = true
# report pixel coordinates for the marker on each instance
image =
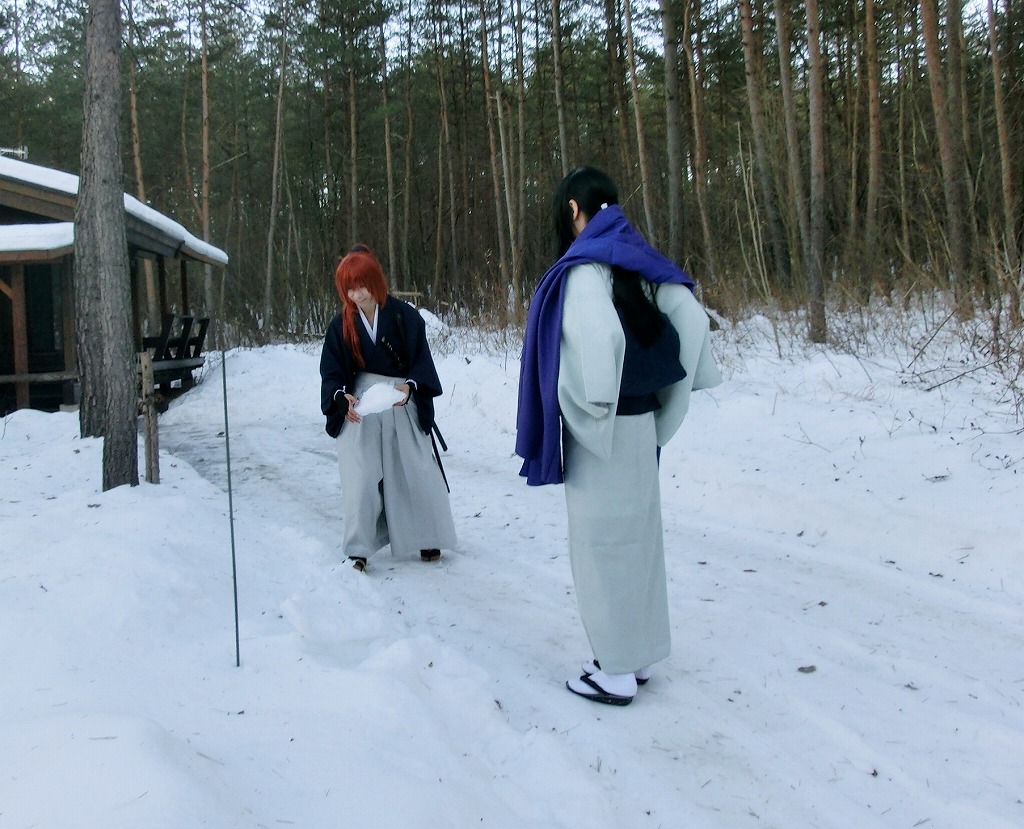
(43, 301)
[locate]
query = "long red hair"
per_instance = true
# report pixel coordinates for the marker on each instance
(359, 268)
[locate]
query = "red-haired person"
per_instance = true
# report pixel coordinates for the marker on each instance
(393, 489)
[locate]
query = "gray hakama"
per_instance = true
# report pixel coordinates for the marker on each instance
(391, 486)
(616, 547)
(611, 471)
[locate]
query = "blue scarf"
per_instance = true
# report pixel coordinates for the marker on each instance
(607, 238)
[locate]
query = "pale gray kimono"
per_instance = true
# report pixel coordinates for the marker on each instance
(392, 489)
(611, 471)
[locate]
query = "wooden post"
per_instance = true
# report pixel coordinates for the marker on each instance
(19, 320)
(183, 271)
(69, 335)
(162, 285)
(138, 329)
(149, 420)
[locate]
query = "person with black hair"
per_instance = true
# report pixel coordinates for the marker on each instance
(615, 342)
(393, 488)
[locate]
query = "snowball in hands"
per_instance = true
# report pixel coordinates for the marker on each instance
(377, 398)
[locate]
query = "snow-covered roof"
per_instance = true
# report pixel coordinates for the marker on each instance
(56, 181)
(45, 241)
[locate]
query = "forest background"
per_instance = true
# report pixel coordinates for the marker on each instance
(794, 157)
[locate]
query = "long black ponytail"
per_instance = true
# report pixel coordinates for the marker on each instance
(634, 300)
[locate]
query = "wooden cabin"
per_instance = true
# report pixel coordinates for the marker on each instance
(38, 353)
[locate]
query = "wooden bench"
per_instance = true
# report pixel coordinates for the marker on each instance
(177, 351)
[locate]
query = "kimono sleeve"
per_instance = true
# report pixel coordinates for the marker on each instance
(335, 374)
(691, 321)
(421, 364)
(590, 357)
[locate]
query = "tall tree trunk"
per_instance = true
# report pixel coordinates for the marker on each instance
(439, 213)
(519, 240)
(499, 200)
(816, 120)
(850, 69)
(752, 65)
(616, 80)
(951, 169)
(328, 104)
(353, 159)
(102, 283)
(638, 121)
(410, 132)
(961, 125)
(389, 157)
(208, 295)
(275, 176)
(692, 35)
(674, 128)
(1009, 232)
(467, 107)
(185, 136)
(508, 190)
(446, 156)
(407, 189)
(443, 140)
(870, 252)
(19, 77)
(797, 192)
(556, 55)
(148, 273)
(904, 85)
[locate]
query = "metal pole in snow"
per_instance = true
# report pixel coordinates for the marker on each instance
(231, 507)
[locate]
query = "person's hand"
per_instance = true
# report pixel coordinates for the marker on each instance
(405, 389)
(352, 416)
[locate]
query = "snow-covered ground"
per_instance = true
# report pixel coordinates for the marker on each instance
(846, 575)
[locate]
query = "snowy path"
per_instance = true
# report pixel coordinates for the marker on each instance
(807, 525)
